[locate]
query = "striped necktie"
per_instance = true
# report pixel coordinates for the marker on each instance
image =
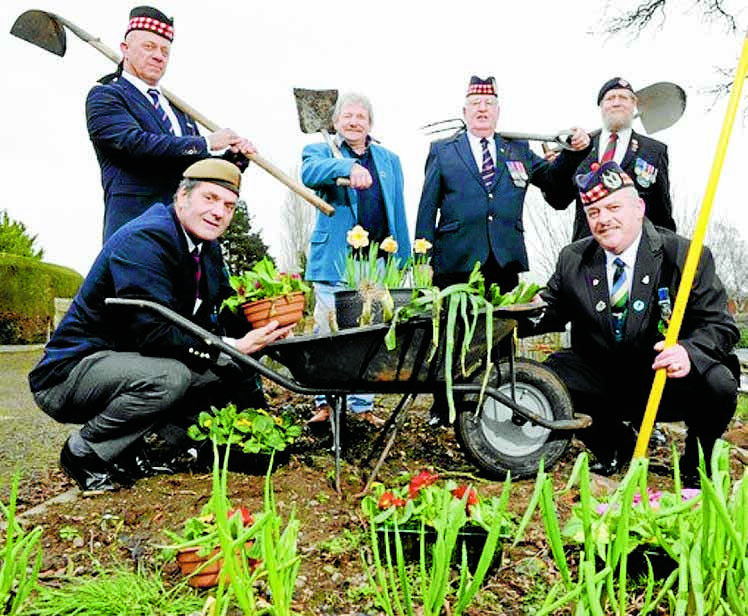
(619, 297)
(156, 98)
(610, 149)
(488, 171)
(195, 254)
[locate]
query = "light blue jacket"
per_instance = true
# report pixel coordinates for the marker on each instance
(319, 170)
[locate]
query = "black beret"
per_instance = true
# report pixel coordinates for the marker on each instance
(613, 84)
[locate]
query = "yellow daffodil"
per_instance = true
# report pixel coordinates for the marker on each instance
(389, 245)
(358, 237)
(421, 246)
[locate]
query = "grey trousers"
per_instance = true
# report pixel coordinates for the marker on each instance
(119, 397)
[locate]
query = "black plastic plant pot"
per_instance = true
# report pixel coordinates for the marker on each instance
(473, 538)
(349, 306)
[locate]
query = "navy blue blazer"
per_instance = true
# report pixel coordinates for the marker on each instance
(646, 161)
(146, 259)
(141, 160)
(475, 221)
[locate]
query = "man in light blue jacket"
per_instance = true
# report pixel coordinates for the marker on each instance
(373, 200)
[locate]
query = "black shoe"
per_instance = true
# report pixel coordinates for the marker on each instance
(438, 415)
(136, 464)
(90, 472)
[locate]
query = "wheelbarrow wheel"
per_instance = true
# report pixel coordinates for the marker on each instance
(497, 440)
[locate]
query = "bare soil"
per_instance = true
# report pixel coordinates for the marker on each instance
(129, 526)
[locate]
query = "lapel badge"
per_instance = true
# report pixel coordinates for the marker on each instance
(638, 305)
(634, 145)
(600, 306)
(645, 280)
(595, 282)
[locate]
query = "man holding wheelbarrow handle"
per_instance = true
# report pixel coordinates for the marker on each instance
(616, 289)
(142, 143)
(126, 372)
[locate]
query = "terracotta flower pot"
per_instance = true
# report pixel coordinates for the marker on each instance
(286, 309)
(190, 560)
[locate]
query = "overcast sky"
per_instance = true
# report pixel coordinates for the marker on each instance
(237, 62)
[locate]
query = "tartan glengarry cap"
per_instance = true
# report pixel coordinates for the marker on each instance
(152, 20)
(601, 181)
(482, 86)
(216, 171)
(617, 83)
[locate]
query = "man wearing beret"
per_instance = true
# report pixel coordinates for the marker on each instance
(644, 159)
(617, 289)
(474, 191)
(124, 372)
(142, 143)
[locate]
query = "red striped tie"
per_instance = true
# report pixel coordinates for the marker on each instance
(610, 149)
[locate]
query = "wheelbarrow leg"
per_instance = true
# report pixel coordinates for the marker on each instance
(394, 423)
(337, 418)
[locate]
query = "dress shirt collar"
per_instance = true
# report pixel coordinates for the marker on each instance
(477, 149)
(141, 85)
(628, 256)
(624, 136)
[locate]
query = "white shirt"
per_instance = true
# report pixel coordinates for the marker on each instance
(624, 136)
(143, 87)
(477, 149)
(628, 257)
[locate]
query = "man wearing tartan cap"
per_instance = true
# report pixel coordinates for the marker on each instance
(617, 289)
(141, 141)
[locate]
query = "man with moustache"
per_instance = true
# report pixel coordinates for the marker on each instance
(644, 159)
(126, 372)
(142, 143)
(617, 289)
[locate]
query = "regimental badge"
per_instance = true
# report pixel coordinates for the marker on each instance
(600, 306)
(518, 172)
(611, 180)
(645, 173)
(595, 282)
(645, 280)
(638, 305)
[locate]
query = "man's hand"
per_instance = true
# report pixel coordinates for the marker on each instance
(360, 177)
(227, 139)
(578, 140)
(674, 359)
(258, 338)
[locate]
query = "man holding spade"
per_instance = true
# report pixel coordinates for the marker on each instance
(142, 143)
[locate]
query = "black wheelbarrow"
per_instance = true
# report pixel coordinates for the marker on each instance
(524, 414)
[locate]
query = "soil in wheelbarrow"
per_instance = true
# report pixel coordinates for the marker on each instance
(125, 528)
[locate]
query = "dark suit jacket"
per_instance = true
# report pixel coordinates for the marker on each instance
(474, 221)
(141, 160)
(642, 151)
(578, 293)
(146, 259)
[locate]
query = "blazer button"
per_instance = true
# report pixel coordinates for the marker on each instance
(490, 218)
(490, 195)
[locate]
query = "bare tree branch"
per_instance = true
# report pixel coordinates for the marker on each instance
(298, 219)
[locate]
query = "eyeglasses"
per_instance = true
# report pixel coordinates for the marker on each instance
(474, 103)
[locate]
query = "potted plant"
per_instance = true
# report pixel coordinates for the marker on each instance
(378, 284)
(428, 506)
(264, 294)
(218, 529)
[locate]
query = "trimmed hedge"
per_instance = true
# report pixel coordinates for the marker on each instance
(27, 291)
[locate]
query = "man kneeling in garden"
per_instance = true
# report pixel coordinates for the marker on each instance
(617, 289)
(124, 372)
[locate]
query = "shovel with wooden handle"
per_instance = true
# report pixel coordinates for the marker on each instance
(47, 30)
(315, 109)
